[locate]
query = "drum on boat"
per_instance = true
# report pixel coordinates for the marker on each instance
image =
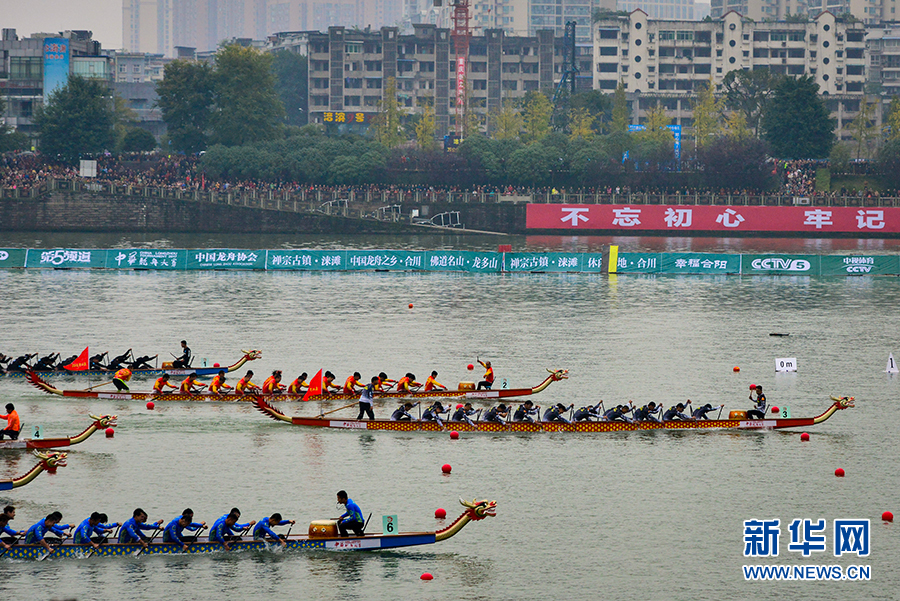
(323, 529)
(466, 386)
(737, 415)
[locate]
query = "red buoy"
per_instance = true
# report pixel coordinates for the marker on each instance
(110, 432)
(410, 305)
(736, 369)
(839, 472)
(753, 387)
(426, 576)
(454, 435)
(446, 468)
(804, 437)
(887, 516)
(440, 513)
(774, 409)
(150, 405)
(459, 406)
(470, 367)
(216, 365)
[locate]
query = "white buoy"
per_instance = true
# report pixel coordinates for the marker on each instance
(892, 365)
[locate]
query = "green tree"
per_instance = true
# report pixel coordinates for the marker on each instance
(581, 124)
(730, 162)
(506, 121)
(77, 120)
(621, 116)
(10, 138)
(124, 120)
(386, 124)
(292, 84)
(795, 121)
(863, 126)
(748, 92)
(598, 105)
(655, 144)
(538, 111)
(707, 112)
(137, 139)
(888, 163)
(247, 106)
(185, 99)
(426, 128)
(892, 120)
(736, 126)
(839, 159)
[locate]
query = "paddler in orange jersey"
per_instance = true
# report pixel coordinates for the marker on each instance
(122, 376)
(299, 386)
(161, 383)
(488, 375)
(407, 382)
(328, 383)
(352, 383)
(190, 385)
(218, 385)
(273, 384)
(432, 384)
(384, 383)
(245, 386)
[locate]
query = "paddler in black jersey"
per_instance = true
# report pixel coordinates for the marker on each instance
(700, 412)
(759, 411)
(434, 413)
(647, 413)
(676, 413)
(525, 411)
(462, 414)
(618, 414)
(584, 414)
(497, 414)
(555, 413)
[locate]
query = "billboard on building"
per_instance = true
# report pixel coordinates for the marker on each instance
(56, 64)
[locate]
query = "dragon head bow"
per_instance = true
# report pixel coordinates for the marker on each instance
(478, 510)
(558, 374)
(844, 402)
(104, 421)
(252, 355)
(51, 460)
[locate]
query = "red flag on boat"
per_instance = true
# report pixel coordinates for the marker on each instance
(79, 364)
(315, 386)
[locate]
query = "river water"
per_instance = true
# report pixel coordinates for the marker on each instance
(641, 515)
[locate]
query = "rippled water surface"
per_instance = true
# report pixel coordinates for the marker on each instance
(643, 515)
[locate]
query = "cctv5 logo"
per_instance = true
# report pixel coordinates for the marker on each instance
(859, 268)
(781, 264)
(3, 255)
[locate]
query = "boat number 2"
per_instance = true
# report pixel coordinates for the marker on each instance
(504, 384)
(389, 524)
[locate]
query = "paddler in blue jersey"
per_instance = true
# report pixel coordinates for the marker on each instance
(131, 529)
(50, 524)
(264, 528)
(647, 413)
(700, 412)
(84, 534)
(497, 414)
(584, 414)
(401, 413)
(352, 519)
(555, 413)
(525, 411)
(462, 414)
(434, 413)
(175, 528)
(619, 413)
(676, 413)
(226, 529)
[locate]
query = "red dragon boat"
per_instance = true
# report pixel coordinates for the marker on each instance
(100, 423)
(500, 393)
(511, 426)
(50, 460)
(145, 373)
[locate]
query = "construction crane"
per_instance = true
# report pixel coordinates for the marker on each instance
(570, 67)
(461, 34)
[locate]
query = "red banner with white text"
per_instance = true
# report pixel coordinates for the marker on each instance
(724, 219)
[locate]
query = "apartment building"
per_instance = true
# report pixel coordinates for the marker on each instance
(347, 71)
(668, 61)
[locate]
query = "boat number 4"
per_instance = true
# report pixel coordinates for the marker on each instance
(389, 524)
(787, 364)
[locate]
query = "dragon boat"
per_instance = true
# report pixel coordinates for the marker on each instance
(49, 461)
(141, 373)
(100, 423)
(322, 536)
(555, 376)
(598, 426)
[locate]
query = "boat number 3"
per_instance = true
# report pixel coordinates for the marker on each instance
(389, 524)
(504, 384)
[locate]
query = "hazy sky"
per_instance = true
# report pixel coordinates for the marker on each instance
(103, 17)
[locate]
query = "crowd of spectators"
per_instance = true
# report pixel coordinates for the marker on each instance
(177, 172)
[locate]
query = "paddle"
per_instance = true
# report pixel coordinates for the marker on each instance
(62, 540)
(98, 385)
(11, 544)
(366, 525)
(197, 537)
(720, 411)
(152, 536)
(338, 409)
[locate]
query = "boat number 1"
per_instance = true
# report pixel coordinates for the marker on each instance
(504, 384)
(389, 524)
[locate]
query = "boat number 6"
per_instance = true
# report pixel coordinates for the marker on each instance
(389, 524)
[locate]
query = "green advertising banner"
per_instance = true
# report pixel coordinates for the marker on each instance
(638, 263)
(385, 259)
(859, 265)
(66, 258)
(451, 260)
(699, 263)
(542, 262)
(146, 259)
(307, 260)
(12, 257)
(592, 262)
(226, 259)
(780, 264)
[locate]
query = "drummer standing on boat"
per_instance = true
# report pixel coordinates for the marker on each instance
(366, 397)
